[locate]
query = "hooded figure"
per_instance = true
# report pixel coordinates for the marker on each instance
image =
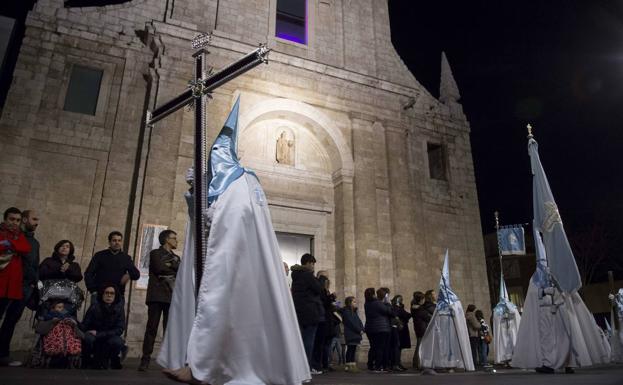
(446, 341)
(616, 332)
(245, 328)
(557, 329)
(506, 321)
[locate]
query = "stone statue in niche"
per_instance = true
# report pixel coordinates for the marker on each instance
(285, 150)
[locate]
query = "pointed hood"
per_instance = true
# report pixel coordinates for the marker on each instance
(446, 296)
(504, 304)
(223, 164)
(448, 90)
(548, 222)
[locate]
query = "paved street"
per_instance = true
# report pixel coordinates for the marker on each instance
(607, 375)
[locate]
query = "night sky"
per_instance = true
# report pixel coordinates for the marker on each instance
(555, 64)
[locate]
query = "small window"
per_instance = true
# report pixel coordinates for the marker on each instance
(436, 161)
(83, 90)
(291, 21)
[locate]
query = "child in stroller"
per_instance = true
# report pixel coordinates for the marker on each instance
(59, 343)
(61, 337)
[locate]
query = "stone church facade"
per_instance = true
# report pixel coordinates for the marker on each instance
(350, 148)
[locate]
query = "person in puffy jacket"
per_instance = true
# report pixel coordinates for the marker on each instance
(306, 292)
(378, 327)
(103, 325)
(353, 330)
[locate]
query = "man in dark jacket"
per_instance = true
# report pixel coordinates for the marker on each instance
(30, 222)
(421, 318)
(306, 296)
(163, 265)
(111, 266)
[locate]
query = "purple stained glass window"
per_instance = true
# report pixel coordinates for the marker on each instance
(291, 21)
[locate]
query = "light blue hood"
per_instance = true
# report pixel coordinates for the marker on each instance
(223, 164)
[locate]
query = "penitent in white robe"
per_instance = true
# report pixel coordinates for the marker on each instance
(505, 328)
(245, 330)
(446, 341)
(557, 333)
(616, 319)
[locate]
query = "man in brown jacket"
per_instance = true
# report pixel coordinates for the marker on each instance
(163, 265)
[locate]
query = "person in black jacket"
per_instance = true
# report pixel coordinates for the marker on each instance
(111, 266)
(103, 325)
(400, 333)
(61, 264)
(421, 318)
(353, 329)
(163, 265)
(378, 328)
(306, 296)
(326, 327)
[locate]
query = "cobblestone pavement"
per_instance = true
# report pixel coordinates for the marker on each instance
(605, 375)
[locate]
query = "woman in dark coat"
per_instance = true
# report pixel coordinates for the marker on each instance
(401, 330)
(353, 329)
(61, 264)
(326, 327)
(103, 326)
(378, 328)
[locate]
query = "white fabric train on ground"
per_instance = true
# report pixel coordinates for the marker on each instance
(446, 341)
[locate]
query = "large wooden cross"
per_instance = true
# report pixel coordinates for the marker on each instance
(196, 94)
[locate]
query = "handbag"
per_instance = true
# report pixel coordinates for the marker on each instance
(487, 338)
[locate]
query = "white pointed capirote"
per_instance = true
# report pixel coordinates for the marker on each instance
(245, 330)
(506, 320)
(446, 341)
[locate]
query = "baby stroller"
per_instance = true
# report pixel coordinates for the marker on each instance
(58, 342)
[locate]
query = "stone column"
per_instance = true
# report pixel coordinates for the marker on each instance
(409, 261)
(345, 258)
(365, 206)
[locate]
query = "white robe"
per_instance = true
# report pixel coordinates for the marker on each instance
(245, 330)
(446, 341)
(559, 335)
(505, 328)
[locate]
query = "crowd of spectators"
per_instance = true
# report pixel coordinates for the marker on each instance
(331, 331)
(327, 326)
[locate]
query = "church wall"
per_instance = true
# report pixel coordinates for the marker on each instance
(359, 182)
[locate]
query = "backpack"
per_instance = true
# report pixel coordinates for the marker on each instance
(62, 340)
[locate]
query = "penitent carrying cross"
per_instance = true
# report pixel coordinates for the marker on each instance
(197, 95)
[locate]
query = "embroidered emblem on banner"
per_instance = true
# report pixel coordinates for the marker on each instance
(552, 216)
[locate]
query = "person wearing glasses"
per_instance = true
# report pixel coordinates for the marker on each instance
(103, 327)
(163, 266)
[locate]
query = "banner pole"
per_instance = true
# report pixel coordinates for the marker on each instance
(497, 235)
